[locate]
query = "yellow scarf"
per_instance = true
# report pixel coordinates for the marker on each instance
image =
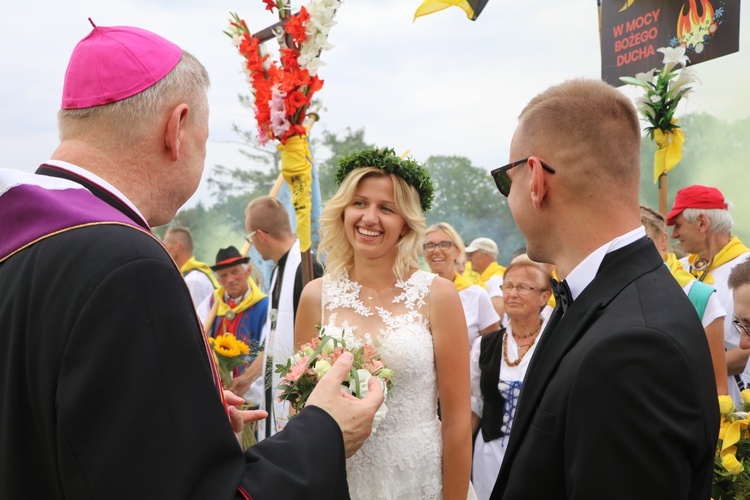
(193, 264)
(494, 269)
(680, 274)
(461, 282)
(251, 298)
(552, 302)
(473, 276)
(731, 251)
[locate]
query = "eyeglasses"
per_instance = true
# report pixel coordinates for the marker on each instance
(249, 236)
(740, 327)
(502, 180)
(520, 288)
(444, 246)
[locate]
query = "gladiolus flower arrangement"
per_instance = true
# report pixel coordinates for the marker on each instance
(283, 89)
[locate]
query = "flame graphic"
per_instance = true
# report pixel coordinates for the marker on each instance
(628, 3)
(693, 25)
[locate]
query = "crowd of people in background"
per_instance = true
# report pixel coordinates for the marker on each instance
(505, 308)
(501, 369)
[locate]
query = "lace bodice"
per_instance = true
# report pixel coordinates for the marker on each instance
(403, 458)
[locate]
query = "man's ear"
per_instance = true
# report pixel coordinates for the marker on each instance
(702, 222)
(175, 129)
(538, 182)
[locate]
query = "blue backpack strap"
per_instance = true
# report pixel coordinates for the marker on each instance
(699, 294)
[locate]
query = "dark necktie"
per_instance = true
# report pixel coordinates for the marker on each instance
(563, 297)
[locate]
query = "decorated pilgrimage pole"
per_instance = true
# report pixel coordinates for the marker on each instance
(283, 91)
(662, 93)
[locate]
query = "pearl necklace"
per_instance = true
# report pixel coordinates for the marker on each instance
(520, 355)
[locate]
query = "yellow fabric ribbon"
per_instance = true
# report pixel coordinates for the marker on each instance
(731, 251)
(253, 297)
(494, 269)
(678, 272)
(431, 6)
(668, 150)
(732, 436)
(193, 264)
(461, 282)
(296, 167)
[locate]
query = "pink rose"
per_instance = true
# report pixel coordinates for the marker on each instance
(297, 370)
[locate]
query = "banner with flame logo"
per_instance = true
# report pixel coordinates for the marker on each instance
(632, 30)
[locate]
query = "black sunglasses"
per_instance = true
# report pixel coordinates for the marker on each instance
(502, 180)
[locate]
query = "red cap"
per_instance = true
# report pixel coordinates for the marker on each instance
(696, 196)
(114, 63)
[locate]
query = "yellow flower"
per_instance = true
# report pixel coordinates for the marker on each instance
(726, 405)
(745, 395)
(731, 464)
(228, 346)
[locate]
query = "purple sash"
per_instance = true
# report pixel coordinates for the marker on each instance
(33, 207)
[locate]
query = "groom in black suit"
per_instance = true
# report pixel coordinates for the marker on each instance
(619, 400)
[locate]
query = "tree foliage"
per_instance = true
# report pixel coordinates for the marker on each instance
(351, 140)
(466, 198)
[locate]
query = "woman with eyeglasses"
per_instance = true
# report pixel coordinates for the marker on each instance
(443, 250)
(498, 365)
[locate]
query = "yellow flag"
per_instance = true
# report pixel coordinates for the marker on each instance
(296, 167)
(668, 150)
(471, 7)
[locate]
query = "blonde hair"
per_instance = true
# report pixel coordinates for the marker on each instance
(336, 250)
(653, 220)
(523, 261)
(182, 234)
(131, 118)
(452, 235)
(270, 215)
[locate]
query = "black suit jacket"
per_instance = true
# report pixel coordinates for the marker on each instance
(619, 400)
(106, 390)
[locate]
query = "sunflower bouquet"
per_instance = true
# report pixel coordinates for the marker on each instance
(732, 462)
(302, 371)
(230, 352)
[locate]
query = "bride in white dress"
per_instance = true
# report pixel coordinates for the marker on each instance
(371, 231)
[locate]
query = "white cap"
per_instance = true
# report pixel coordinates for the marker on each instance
(484, 244)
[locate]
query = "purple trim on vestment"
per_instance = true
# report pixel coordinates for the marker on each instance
(29, 212)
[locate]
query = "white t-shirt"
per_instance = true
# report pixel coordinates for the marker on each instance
(713, 306)
(200, 286)
(478, 309)
(724, 294)
(493, 286)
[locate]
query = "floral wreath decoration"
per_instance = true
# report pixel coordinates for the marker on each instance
(386, 160)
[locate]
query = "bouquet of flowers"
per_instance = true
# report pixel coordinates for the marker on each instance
(283, 90)
(229, 352)
(731, 475)
(302, 371)
(663, 91)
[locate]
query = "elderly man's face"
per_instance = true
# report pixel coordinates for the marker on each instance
(691, 238)
(741, 296)
(479, 260)
(234, 280)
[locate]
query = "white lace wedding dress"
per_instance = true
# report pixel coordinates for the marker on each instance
(403, 457)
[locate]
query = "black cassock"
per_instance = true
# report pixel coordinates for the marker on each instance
(106, 389)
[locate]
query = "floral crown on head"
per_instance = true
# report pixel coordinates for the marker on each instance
(386, 159)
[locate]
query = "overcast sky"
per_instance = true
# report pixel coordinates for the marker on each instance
(441, 85)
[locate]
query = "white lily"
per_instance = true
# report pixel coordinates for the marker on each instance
(673, 56)
(687, 76)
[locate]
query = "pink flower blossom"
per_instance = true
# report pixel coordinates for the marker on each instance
(297, 370)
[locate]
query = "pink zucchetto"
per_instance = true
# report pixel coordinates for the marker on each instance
(114, 63)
